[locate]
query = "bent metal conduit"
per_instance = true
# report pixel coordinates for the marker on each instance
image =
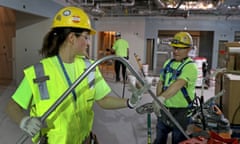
(84, 74)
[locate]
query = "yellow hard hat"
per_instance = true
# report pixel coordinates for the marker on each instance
(74, 17)
(182, 40)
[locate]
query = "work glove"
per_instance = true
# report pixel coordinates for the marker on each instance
(156, 106)
(136, 95)
(30, 125)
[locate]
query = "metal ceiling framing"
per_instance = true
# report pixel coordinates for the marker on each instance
(181, 8)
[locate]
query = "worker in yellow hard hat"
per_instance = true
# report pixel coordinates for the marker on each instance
(176, 89)
(65, 59)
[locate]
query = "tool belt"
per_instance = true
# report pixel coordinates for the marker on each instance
(43, 140)
(180, 114)
(91, 139)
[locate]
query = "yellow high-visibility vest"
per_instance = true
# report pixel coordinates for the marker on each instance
(72, 120)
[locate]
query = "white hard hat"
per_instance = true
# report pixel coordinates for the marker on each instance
(117, 34)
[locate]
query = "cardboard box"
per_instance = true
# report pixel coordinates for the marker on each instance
(233, 56)
(237, 63)
(232, 44)
(231, 62)
(231, 98)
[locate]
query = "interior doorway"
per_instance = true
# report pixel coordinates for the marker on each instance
(105, 43)
(7, 33)
(150, 53)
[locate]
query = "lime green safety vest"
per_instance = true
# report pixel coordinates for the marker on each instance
(171, 71)
(72, 120)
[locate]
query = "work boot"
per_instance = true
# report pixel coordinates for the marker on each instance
(117, 79)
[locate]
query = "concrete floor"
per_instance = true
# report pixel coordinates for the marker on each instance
(111, 126)
(9, 131)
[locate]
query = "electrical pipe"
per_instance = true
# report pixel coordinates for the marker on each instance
(85, 74)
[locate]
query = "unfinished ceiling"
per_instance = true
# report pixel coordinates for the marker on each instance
(181, 8)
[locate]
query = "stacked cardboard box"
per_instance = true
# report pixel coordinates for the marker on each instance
(230, 82)
(233, 56)
(231, 98)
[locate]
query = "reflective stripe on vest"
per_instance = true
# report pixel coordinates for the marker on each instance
(41, 81)
(91, 75)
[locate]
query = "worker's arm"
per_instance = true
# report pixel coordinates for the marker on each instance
(15, 112)
(173, 88)
(111, 102)
(30, 125)
(159, 88)
(162, 96)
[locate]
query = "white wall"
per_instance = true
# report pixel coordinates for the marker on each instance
(28, 43)
(45, 8)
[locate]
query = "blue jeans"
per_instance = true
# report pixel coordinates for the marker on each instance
(163, 129)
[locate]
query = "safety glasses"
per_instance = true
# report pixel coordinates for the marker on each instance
(174, 41)
(86, 37)
(180, 48)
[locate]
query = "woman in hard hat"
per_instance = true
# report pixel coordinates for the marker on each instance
(64, 51)
(176, 89)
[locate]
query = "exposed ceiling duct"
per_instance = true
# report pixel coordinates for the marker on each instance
(97, 11)
(156, 7)
(159, 3)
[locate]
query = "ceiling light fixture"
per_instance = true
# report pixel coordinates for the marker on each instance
(196, 5)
